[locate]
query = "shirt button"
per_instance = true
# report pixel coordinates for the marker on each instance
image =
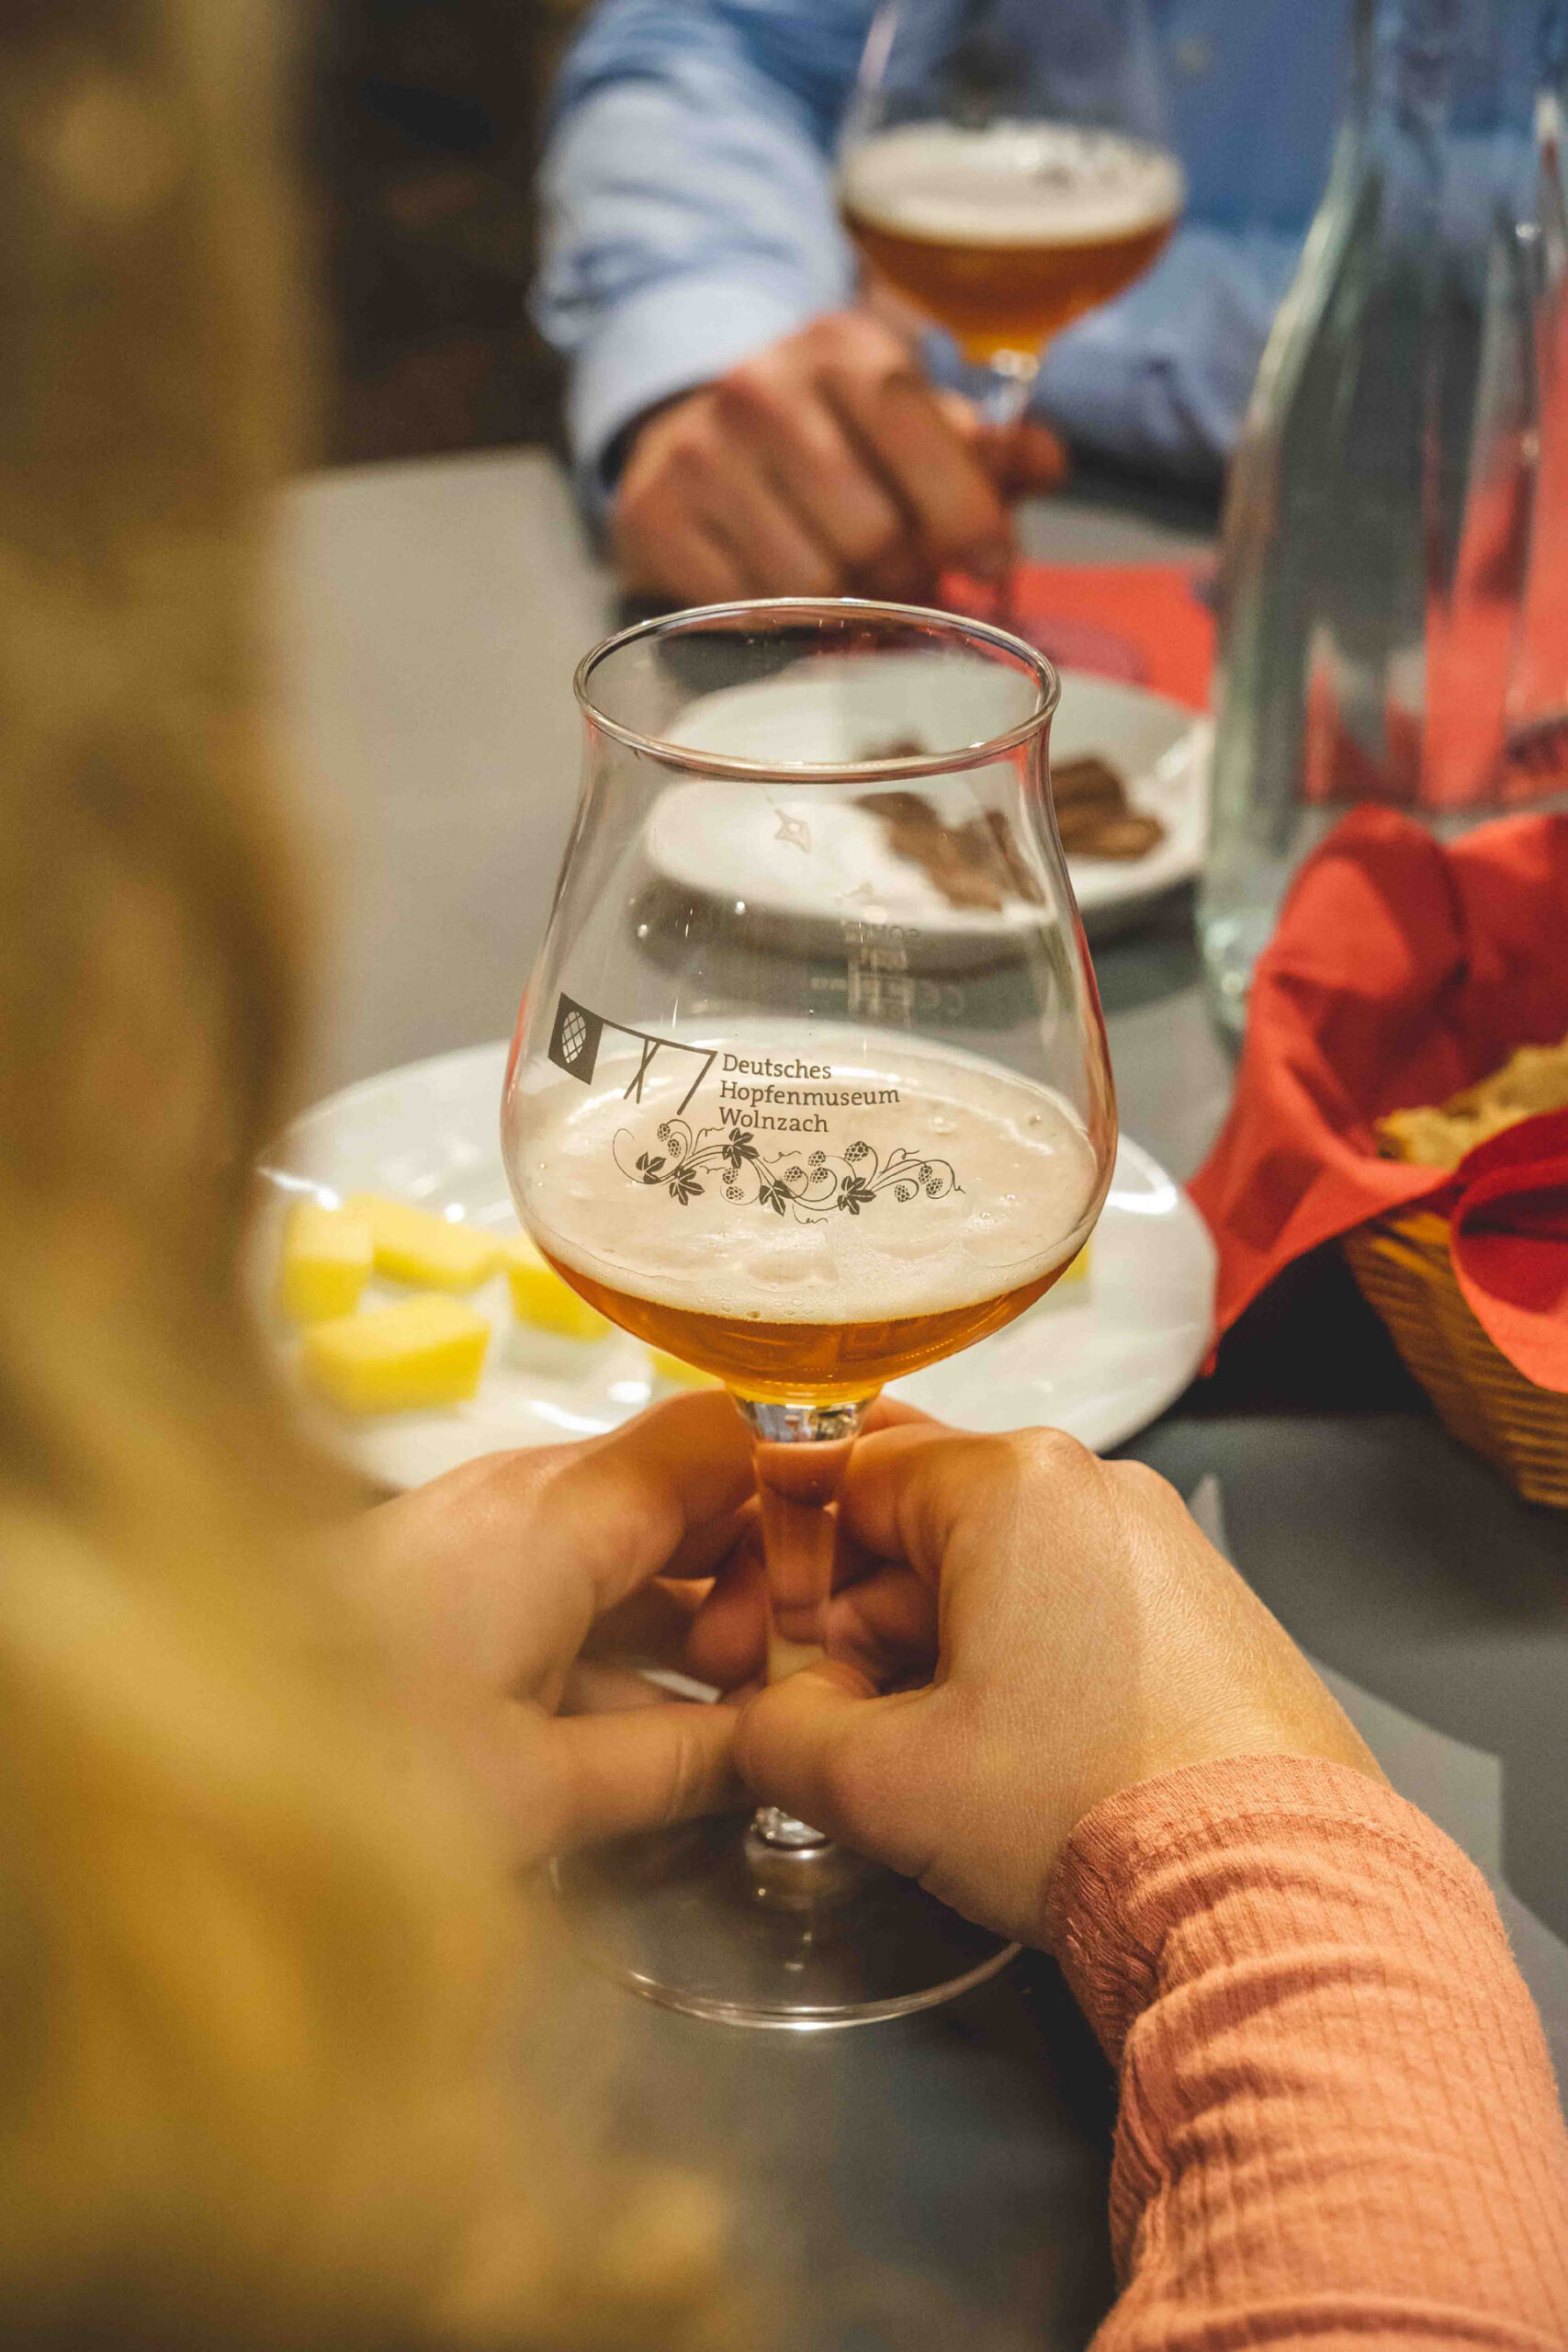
(1193, 56)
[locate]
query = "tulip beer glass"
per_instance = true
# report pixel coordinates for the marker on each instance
(1005, 166)
(810, 1087)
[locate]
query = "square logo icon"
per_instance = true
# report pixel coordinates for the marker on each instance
(574, 1040)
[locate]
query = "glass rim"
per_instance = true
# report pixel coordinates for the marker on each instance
(907, 766)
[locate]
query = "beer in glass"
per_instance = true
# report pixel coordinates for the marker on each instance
(1007, 234)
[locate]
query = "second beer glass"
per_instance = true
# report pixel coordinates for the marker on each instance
(1006, 165)
(810, 1087)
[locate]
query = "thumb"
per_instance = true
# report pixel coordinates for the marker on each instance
(823, 1748)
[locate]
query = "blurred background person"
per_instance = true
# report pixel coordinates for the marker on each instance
(750, 428)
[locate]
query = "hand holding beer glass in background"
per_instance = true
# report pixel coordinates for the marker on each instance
(1005, 165)
(809, 1140)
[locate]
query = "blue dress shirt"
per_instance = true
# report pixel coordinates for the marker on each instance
(691, 220)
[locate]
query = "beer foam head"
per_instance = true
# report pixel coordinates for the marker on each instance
(1010, 184)
(1006, 1185)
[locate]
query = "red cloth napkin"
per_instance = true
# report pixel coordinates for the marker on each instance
(1143, 622)
(1509, 1243)
(1399, 972)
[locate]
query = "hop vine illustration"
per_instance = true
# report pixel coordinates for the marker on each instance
(825, 1184)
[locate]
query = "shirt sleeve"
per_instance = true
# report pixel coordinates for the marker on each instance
(1338, 2123)
(688, 197)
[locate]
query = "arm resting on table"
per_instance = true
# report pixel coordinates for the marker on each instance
(1339, 2124)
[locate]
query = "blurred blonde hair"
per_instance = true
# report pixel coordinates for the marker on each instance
(249, 1952)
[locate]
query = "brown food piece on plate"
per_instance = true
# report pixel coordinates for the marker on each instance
(976, 867)
(1121, 837)
(1094, 817)
(909, 808)
(962, 884)
(1533, 1079)
(1091, 781)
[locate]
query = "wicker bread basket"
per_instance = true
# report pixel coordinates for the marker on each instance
(1405, 1272)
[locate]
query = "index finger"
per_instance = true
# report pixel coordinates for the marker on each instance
(627, 1503)
(906, 1488)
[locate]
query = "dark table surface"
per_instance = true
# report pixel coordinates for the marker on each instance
(904, 2184)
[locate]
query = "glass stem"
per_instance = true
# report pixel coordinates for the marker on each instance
(1004, 396)
(1005, 389)
(801, 1453)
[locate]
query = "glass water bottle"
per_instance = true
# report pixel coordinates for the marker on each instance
(1394, 566)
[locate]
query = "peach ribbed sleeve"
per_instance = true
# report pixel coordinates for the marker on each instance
(1339, 2126)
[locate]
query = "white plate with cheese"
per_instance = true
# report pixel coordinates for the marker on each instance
(1100, 1358)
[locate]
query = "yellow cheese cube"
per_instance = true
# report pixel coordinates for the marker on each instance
(325, 1263)
(668, 1367)
(1077, 1269)
(393, 1359)
(1071, 1283)
(539, 1295)
(412, 1246)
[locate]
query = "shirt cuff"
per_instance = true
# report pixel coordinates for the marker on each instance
(668, 337)
(1273, 1835)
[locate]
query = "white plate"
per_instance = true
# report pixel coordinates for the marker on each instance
(810, 853)
(1100, 1361)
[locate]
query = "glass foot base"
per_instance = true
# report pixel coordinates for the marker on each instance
(712, 1920)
